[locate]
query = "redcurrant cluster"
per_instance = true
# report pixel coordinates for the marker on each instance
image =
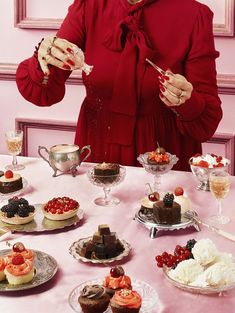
(171, 260)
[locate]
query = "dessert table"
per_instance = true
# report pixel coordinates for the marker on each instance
(139, 264)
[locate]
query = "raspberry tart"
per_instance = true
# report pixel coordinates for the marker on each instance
(17, 211)
(60, 208)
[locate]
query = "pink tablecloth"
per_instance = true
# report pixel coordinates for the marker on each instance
(53, 296)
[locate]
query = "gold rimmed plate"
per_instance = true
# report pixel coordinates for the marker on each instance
(77, 245)
(45, 269)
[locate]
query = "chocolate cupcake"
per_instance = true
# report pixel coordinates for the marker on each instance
(126, 301)
(93, 299)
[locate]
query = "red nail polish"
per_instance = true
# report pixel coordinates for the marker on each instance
(161, 79)
(70, 62)
(66, 67)
(162, 88)
(70, 50)
(166, 77)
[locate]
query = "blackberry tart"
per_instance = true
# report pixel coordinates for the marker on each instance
(17, 212)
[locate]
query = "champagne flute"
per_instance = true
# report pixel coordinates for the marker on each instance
(219, 186)
(14, 139)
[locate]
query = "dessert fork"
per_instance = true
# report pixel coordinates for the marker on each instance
(5, 232)
(192, 215)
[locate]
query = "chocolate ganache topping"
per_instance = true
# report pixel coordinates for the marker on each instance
(93, 291)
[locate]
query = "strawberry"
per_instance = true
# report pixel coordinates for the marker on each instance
(17, 259)
(203, 164)
(179, 191)
(8, 174)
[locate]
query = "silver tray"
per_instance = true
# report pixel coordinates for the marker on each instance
(148, 221)
(45, 265)
(41, 223)
(73, 250)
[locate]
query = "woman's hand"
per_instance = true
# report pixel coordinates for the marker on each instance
(60, 53)
(174, 89)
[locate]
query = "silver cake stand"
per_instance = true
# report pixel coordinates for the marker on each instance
(146, 218)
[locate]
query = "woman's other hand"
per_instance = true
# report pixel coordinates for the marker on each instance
(60, 53)
(174, 89)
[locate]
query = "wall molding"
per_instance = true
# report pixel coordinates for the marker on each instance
(228, 141)
(226, 82)
(24, 21)
(26, 124)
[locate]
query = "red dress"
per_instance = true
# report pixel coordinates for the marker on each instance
(122, 115)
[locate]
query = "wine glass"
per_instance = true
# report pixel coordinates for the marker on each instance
(106, 182)
(14, 139)
(219, 186)
(157, 169)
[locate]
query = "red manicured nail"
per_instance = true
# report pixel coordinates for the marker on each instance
(162, 88)
(166, 77)
(161, 79)
(70, 62)
(70, 50)
(66, 67)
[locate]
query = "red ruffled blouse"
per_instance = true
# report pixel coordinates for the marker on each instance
(122, 115)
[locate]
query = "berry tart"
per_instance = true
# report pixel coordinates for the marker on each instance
(60, 208)
(126, 301)
(116, 280)
(10, 182)
(93, 299)
(18, 211)
(2, 268)
(19, 271)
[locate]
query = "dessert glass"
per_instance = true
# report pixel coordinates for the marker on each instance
(157, 169)
(14, 140)
(106, 182)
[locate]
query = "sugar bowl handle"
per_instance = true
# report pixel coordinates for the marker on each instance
(41, 155)
(88, 148)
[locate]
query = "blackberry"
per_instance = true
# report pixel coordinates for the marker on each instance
(23, 212)
(190, 244)
(168, 199)
(23, 201)
(4, 208)
(31, 208)
(10, 213)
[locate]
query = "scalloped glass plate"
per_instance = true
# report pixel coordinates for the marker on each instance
(42, 224)
(196, 289)
(150, 299)
(46, 268)
(4, 196)
(73, 250)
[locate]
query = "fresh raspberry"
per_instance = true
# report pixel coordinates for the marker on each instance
(17, 259)
(8, 174)
(179, 191)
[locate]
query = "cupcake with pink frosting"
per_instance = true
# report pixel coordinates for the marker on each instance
(126, 301)
(116, 280)
(2, 268)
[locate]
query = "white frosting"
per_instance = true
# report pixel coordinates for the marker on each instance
(186, 271)
(15, 177)
(204, 251)
(147, 203)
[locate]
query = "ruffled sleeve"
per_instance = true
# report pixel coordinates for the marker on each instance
(200, 115)
(29, 76)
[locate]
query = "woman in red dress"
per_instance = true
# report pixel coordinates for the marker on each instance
(129, 106)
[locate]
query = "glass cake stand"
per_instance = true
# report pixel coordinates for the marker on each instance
(157, 169)
(106, 182)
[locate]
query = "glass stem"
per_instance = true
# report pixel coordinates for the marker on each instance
(157, 183)
(14, 160)
(219, 205)
(106, 194)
